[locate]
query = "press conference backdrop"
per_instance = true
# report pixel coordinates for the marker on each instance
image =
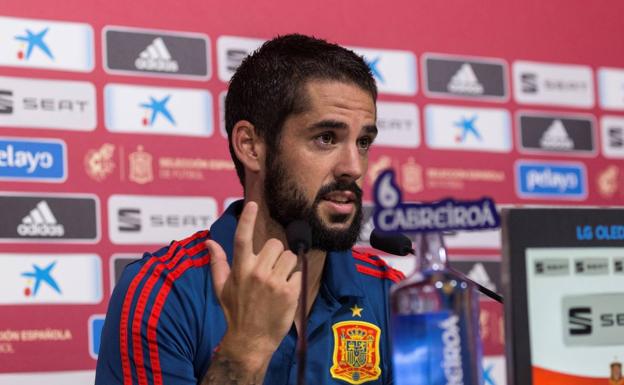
(112, 140)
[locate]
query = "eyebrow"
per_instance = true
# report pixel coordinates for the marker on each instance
(335, 124)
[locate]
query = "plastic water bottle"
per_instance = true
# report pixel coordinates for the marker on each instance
(435, 322)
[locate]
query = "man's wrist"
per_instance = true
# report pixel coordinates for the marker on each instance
(250, 355)
(233, 364)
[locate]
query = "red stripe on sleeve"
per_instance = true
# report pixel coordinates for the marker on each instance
(391, 274)
(367, 258)
(139, 310)
(379, 262)
(125, 311)
(125, 314)
(152, 323)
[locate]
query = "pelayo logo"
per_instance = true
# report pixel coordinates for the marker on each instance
(551, 180)
(392, 215)
(40, 160)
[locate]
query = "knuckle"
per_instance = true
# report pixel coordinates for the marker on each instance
(239, 241)
(256, 276)
(284, 292)
(290, 257)
(275, 244)
(274, 286)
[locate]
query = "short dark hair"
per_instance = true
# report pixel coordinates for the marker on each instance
(267, 87)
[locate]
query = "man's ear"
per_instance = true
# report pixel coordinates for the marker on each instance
(248, 146)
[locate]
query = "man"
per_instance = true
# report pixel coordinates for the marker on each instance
(220, 307)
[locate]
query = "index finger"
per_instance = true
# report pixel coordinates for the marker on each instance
(243, 237)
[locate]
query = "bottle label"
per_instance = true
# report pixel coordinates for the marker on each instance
(427, 349)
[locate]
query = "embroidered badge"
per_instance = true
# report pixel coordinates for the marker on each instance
(356, 352)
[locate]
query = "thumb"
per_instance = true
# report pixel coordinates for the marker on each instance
(218, 265)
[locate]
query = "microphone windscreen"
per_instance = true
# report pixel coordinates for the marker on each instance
(391, 243)
(299, 236)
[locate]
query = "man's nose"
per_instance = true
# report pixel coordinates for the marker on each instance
(350, 164)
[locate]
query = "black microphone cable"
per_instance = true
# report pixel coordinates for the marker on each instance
(400, 244)
(299, 237)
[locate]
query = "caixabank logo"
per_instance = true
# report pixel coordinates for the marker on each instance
(157, 110)
(37, 218)
(36, 160)
(49, 104)
(394, 70)
(556, 133)
(551, 180)
(462, 77)
(468, 129)
(46, 44)
(35, 279)
(134, 51)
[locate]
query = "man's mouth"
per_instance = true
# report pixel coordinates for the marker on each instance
(340, 197)
(341, 202)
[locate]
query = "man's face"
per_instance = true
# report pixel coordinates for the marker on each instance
(317, 172)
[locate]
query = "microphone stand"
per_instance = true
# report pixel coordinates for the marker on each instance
(302, 340)
(399, 244)
(299, 237)
(484, 290)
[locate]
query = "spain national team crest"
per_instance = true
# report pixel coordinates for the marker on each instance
(356, 352)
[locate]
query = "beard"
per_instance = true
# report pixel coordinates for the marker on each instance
(286, 202)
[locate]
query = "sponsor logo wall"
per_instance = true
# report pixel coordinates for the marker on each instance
(109, 149)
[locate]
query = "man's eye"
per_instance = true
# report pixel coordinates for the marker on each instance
(365, 142)
(325, 138)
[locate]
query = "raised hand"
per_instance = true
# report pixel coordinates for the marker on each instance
(258, 295)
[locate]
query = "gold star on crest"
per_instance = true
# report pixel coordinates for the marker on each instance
(356, 311)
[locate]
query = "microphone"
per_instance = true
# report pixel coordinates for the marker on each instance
(299, 237)
(400, 244)
(393, 243)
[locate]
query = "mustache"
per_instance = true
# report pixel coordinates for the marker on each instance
(340, 186)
